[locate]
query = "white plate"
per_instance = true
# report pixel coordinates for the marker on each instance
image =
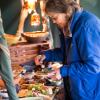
(32, 98)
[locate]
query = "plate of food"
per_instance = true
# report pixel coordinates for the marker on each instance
(35, 90)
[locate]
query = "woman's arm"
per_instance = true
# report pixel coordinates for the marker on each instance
(89, 50)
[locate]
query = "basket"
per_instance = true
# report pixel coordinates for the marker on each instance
(25, 52)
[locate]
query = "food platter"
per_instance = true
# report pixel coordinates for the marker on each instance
(35, 85)
(37, 90)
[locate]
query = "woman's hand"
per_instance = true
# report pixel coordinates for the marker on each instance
(56, 66)
(39, 59)
(54, 75)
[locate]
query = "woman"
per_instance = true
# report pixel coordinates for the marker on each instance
(82, 61)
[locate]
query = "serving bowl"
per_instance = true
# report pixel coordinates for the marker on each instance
(35, 37)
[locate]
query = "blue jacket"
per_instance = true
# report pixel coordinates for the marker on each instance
(83, 57)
